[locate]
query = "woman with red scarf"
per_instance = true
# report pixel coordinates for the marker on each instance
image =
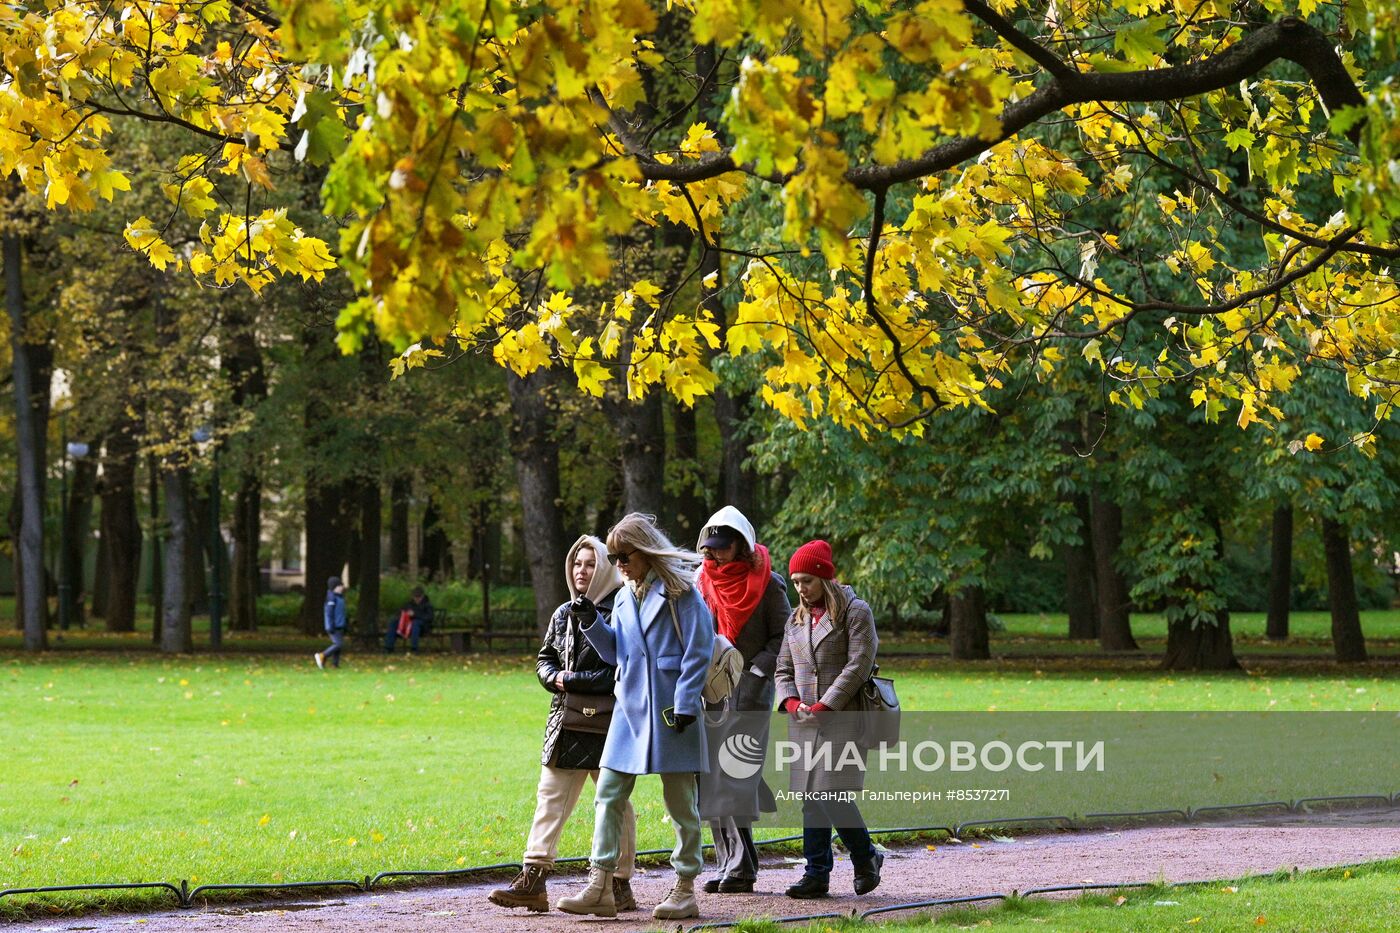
(750, 605)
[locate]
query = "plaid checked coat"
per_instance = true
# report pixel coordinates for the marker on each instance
(828, 663)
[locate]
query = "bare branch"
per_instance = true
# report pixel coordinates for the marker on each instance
(877, 225)
(1014, 37)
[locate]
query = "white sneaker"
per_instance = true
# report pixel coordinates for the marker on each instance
(320, 660)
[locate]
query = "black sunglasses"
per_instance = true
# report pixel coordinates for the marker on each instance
(620, 559)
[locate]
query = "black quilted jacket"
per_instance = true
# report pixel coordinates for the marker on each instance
(564, 748)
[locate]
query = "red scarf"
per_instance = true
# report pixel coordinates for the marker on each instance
(733, 590)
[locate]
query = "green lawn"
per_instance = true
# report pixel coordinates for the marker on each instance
(1024, 635)
(1043, 634)
(139, 768)
(1357, 899)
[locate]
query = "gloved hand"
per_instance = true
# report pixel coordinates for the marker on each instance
(683, 721)
(791, 704)
(583, 610)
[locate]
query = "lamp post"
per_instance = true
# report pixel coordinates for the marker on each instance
(203, 434)
(77, 450)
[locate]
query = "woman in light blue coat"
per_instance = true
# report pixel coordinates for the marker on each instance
(661, 639)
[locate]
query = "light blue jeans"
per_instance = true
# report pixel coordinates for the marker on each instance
(682, 804)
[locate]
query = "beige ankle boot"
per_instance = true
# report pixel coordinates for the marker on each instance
(680, 903)
(596, 899)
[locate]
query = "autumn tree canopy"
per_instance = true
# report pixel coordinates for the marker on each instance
(966, 189)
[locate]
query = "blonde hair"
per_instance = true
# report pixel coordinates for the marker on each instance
(675, 566)
(836, 601)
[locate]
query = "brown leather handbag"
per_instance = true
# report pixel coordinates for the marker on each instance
(588, 712)
(585, 712)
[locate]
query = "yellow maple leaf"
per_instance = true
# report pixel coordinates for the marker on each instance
(1313, 442)
(591, 376)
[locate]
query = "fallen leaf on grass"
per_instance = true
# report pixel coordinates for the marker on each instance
(1230, 889)
(1121, 900)
(264, 820)
(1260, 920)
(1194, 920)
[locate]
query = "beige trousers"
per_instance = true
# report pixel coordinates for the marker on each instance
(556, 798)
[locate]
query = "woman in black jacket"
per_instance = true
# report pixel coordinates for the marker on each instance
(568, 665)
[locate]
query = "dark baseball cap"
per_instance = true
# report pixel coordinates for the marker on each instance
(718, 536)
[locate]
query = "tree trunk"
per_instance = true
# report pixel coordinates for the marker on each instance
(435, 560)
(98, 610)
(689, 504)
(641, 432)
(1280, 573)
(79, 516)
(533, 412)
(243, 361)
(245, 578)
(31, 596)
(1080, 602)
(330, 500)
(1347, 638)
(326, 536)
(967, 634)
(1115, 628)
(399, 491)
(1195, 645)
(737, 483)
(367, 620)
(121, 530)
(157, 558)
(176, 635)
(196, 569)
(1200, 647)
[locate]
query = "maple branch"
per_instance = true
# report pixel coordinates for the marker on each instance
(1289, 39)
(266, 17)
(621, 130)
(1264, 220)
(683, 110)
(877, 226)
(1014, 37)
(1282, 281)
(163, 117)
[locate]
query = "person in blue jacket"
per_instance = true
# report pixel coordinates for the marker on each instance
(661, 639)
(334, 616)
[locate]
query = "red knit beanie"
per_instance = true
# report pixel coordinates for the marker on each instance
(814, 558)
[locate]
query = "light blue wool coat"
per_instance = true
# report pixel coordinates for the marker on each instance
(656, 670)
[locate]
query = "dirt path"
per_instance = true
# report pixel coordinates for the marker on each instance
(911, 873)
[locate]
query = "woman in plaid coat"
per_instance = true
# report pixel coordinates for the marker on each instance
(827, 656)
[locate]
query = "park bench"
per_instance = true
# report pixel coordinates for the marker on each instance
(452, 632)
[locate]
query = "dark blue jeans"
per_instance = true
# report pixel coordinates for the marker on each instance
(392, 636)
(818, 819)
(332, 654)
